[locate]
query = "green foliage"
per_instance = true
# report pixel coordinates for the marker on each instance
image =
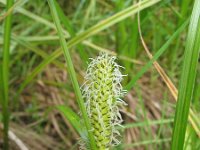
(72, 73)
(86, 34)
(4, 80)
(156, 56)
(72, 117)
(37, 90)
(188, 77)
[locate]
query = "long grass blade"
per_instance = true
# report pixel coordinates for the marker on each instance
(72, 74)
(187, 81)
(169, 83)
(155, 57)
(72, 33)
(5, 74)
(86, 34)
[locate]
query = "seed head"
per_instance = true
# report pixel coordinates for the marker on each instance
(102, 92)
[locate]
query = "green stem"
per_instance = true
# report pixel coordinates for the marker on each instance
(72, 73)
(5, 75)
(187, 81)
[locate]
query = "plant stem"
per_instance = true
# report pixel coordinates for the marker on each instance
(72, 73)
(187, 81)
(5, 75)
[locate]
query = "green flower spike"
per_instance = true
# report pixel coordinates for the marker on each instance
(102, 91)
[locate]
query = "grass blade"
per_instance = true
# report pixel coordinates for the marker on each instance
(73, 118)
(156, 56)
(72, 73)
(187, 81)
(113, 20)
(88, 33)
(71, 31)
(5, 74)
(170, 85)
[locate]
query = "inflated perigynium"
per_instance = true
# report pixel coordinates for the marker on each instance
(102, 92)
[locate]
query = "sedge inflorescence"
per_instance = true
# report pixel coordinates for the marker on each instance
(102, 92)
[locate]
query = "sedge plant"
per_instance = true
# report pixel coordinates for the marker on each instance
(102, 92)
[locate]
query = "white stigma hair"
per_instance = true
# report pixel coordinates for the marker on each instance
(102, 91)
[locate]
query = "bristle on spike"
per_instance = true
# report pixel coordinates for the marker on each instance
(102, 92)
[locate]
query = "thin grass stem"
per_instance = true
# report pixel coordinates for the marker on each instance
(5, 75)
(187, 81)
(72, 73)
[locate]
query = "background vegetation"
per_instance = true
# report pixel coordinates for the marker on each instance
(38, 101)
